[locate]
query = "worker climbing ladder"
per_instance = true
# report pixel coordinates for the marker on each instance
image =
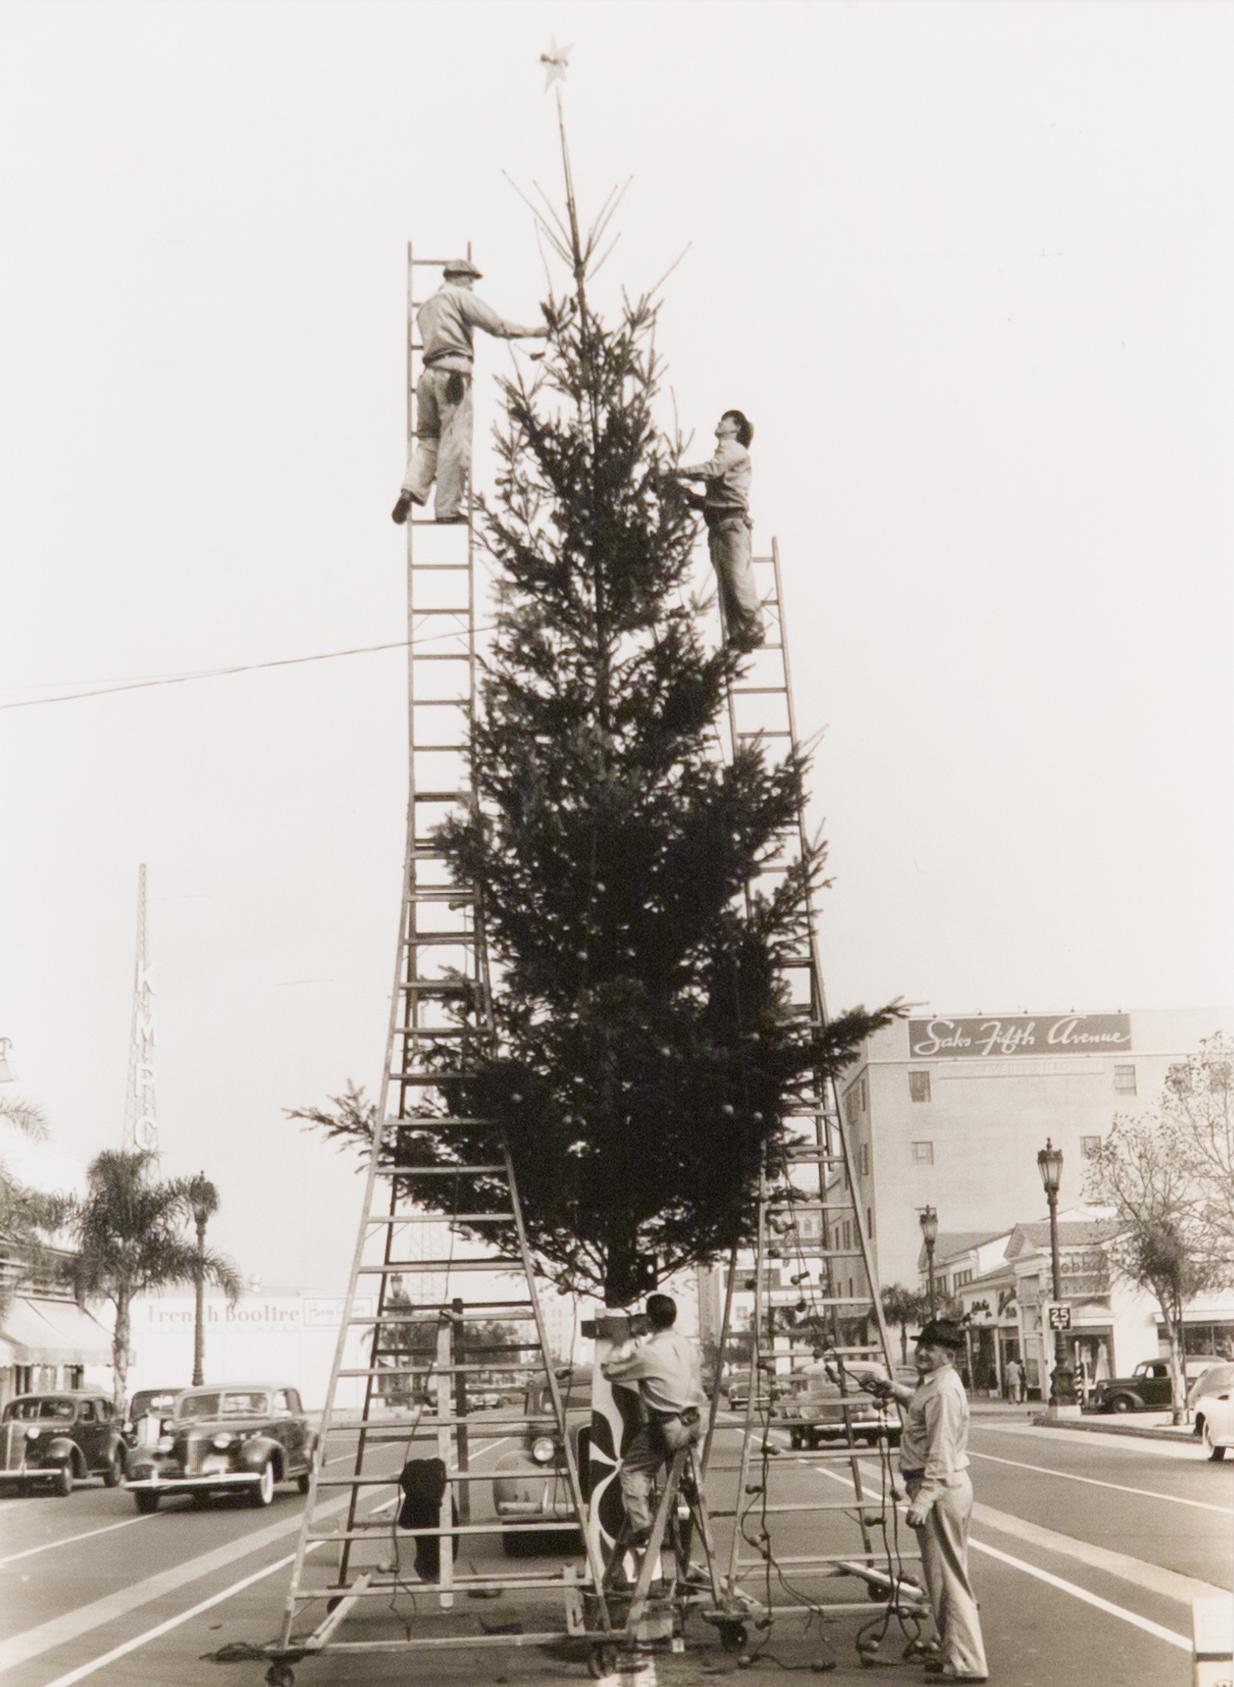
(351, 1560)
(810, 1229)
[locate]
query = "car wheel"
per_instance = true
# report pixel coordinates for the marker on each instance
(201, 1499)
(1214, 1451)
(62, 1482)
(146, 1501)
(794, 1438)
(1123, 1403)
(114, 1474)
(262, 1491)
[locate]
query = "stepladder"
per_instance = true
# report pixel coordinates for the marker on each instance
(402, 1540)
(814, 1514)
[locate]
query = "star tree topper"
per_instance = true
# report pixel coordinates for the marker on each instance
(556, 62)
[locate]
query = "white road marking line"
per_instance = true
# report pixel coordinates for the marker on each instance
(1152, 1578)
(1182, 1641)
(69, 1624)
(237, 1549)
(104, 1529)
(1119, 1487)
(127, 1646)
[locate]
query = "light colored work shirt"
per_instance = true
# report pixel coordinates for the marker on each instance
(665, 1367)
(446, 322)
(727, 475)
(935, 1435)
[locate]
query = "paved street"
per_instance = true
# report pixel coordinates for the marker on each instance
(1087, 1552)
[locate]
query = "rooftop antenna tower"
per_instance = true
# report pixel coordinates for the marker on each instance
(141, 1130)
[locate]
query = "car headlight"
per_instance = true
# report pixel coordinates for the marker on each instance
(33, 1433)
(165, 1443)
(223, 1440)
(543, 1448)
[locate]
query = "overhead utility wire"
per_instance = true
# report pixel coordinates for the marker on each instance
(240, 668)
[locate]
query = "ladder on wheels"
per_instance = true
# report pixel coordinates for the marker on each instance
(810, 1228)
(351, 1562)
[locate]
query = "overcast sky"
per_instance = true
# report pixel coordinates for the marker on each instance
(968, 268)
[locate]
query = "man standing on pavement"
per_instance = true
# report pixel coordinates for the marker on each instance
(664, 1369)
(726, 510)
(443, 392)
(934, 1466)
(1015, 1380)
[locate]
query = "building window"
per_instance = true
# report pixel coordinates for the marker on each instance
(869, 1221)
(1124, 1079)
(863, 1096)
(863, 1160)
(919, 1086)
(923, 1153)
(962, 1277)
(1090, 1147)
(850, 1106)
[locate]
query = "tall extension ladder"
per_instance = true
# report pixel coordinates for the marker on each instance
(812, 1179)
(441, 993)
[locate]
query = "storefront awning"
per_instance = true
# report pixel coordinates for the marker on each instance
(53, 1332)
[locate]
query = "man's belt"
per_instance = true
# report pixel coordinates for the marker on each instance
(434, 357)
(913, 1475)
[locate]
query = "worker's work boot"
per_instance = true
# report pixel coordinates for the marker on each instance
(402, 509)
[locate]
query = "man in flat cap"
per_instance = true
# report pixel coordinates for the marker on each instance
(934, 1466)
(725, 503)
(443, 393)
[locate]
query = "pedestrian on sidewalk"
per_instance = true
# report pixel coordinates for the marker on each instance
(1015, 1381)
(443, 393)
(934, 1467)
(725, 504)
(664, 1368)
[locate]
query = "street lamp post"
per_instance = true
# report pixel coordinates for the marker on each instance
(1062, 1379)
(929, 1232)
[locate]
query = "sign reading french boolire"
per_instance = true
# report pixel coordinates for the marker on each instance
(986, 1039)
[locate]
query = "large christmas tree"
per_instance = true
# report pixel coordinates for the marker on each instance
(645, 1050)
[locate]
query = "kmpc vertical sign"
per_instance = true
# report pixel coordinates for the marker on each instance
(982, 1039)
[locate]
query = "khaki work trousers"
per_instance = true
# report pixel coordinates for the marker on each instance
(728, 541)
(442, 451)
(943, 1539)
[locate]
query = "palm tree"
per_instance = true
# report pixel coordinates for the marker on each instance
(203, 1200)
(904, 1307)
(25, 1214)
(129, 1239)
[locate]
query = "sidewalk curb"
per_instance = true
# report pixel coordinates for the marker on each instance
(1179, 1437)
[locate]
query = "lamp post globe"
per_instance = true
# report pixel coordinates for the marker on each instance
(1062, 1377)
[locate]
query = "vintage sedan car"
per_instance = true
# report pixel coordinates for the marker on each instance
(226, 1438)
(1147, 1389)
(815, 1410)
(148, 1410)
(1212, 1399)
(54, 1438)
(530, 1485)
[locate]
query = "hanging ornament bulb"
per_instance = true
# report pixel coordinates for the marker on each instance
(727, 1110)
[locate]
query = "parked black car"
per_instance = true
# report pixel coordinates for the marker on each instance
(55, 1438)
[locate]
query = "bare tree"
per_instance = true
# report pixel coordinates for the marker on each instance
(1197, 1113)
(1160, 1246)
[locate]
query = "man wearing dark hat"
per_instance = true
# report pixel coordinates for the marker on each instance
(934, 1465)
(443, 392)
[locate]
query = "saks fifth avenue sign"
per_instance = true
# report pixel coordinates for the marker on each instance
(982, 1039)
